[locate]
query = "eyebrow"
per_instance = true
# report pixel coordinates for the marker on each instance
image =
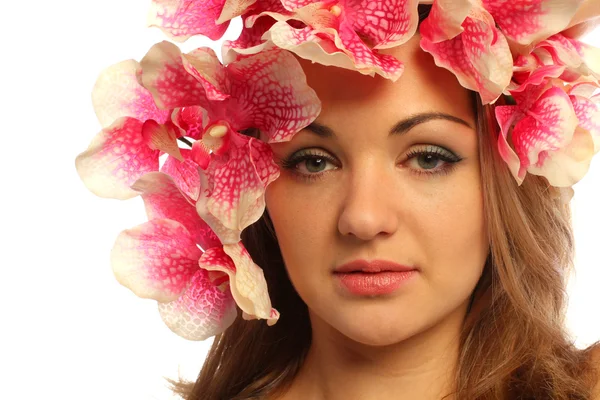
(401, 127)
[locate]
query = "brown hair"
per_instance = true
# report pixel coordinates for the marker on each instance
(514, 343)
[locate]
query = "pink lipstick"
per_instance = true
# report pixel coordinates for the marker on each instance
(368, 278)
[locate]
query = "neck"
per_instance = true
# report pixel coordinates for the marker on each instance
(419, 367)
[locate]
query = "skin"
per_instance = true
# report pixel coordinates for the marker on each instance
(371, 204)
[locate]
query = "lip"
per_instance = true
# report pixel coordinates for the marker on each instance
(373, 266)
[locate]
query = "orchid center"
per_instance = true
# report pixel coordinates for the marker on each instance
(217, 130)
(336, 10)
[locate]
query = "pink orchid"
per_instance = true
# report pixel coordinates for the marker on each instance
(267, 91)
(586, 103)
(479, 56)
(181, 19)
(546, 140)
(161, 260)
(473, 39)
(136, 132)
(344, 33)
(237, 173)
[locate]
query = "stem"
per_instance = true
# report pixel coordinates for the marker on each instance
(184, 140)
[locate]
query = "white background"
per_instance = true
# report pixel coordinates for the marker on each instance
(68, 330)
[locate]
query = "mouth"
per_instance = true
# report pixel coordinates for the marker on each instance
(372, 267)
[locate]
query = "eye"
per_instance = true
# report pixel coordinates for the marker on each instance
(308, 164)
(432, 160)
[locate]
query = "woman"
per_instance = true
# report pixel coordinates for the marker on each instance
(405, 259)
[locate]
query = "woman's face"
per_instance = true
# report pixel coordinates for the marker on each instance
(367, 194)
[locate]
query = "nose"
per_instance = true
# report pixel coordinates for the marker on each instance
(370, 207)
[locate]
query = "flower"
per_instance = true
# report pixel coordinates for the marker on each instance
(549, 131)
(136, 132)
(196, 290)
(473, 38)
(181, 19)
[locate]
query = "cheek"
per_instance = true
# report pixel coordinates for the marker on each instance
(454, 239)
(305, 226)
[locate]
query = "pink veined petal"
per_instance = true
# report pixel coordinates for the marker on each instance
(368, 60)
(579, 57)
(249, 285)
(164, 75)
(385, 23)
(246, 280)
(225, 234)
(234, 8)
(117, 94)
(261, 157)
(539, 76)
(506, 116)
(185, 174)
(293, 5)
(164, 200)
(345, 52)
(162, 137)
(479, 57)
(250, 40)
(307, 44)
(191, 120)
(234, 198)
(155, 260)
(585, 20)
(271, 94)
(203, 64)
(202, 311)
(116, 157)
(445, 20)
(566, 166)
(548, 126)
(529, 21)
(588, 115)
(181, 19)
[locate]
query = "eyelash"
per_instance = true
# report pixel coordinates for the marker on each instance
(437, 152)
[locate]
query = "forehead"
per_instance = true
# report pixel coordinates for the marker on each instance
(422, 87)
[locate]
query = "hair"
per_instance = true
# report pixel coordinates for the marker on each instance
(514, 343)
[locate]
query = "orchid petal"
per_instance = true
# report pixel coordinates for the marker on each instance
(117, 94)
(162, 137)
(190, 120)
(181, 19)
(202, 311)
(548, 126)
(204, 65)
(506, 116)
(115, 159)
(185, 174)
(479, 57)
(588, 114)
(164, 200)
(234, 8)
(246, 280)
(250, 40)
(164, 75)
(272, 87)
(233, 187)
(344, 50)
(155, 260)
(566, 167)
(386, 24)
(445, 20)
(530, 21)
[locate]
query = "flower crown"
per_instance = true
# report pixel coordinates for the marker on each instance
(188, 110)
